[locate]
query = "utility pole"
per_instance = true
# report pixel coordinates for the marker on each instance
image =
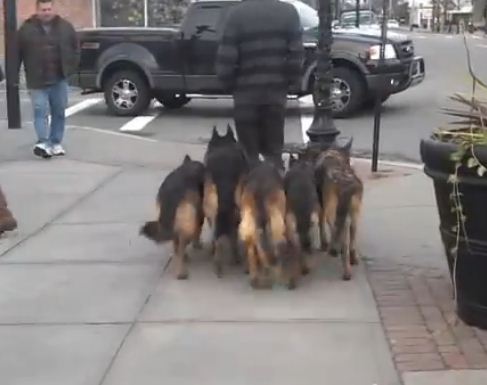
(357, 13)
(382, 82)
(11, 63)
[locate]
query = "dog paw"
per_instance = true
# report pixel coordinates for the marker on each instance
(218, 269)
(305, 270)
(291, 284)
(198, 245)
(324, 246)
(254, 282)
(347, 276)
(354, 257)
(183, 275)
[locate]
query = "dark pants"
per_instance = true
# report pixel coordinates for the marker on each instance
(260, 130)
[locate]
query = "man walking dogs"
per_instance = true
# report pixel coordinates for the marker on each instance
(49, 49)
(260, 55)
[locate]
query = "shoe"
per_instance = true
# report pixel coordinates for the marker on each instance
(7, 221)
(42, 150)
(57, 150)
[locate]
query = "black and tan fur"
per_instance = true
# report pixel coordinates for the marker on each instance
(340, 192)
(302, 208)
(180, 204)
(225, 165)
(262, 230)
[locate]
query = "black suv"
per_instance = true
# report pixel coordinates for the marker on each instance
(172, 64)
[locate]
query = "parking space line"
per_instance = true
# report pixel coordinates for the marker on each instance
(306, 119)
(113, 133)
(138, 123)
(84, 104)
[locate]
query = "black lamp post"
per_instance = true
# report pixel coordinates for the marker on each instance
(323, 132)
(323, 128)
(11, 60)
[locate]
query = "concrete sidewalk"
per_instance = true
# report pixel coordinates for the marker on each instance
(85, 301)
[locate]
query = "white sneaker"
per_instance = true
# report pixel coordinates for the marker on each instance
(57, 150)
(42, 150)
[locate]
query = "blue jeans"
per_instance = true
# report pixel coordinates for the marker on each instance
(52, 99)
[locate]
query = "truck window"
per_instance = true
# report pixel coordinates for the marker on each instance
(203, 21)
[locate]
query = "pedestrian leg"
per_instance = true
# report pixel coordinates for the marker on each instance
(247, 127)
(39, 99)
(273, 118)
(58, 100)
(40, 105)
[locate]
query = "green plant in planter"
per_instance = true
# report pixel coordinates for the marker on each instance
(455, 158)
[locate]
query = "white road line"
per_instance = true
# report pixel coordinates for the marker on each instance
(138, 123)
(448, 37)
(114, 133)
(420, 37)
(84, 104)
(306, 120)
(481, 45)
(477, 37)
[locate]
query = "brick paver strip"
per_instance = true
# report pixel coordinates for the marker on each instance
(417, 310)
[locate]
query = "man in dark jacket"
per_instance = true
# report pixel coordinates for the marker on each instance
(260, 55)
(49, 50)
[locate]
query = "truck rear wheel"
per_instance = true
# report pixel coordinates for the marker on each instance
(127, 93)
(348, 92)
(172, 101)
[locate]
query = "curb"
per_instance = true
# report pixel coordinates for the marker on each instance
(413, 166)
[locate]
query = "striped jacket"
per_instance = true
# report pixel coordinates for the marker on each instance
(261, 51)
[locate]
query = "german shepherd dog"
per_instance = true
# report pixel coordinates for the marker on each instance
(340, 192)
(180, 204)
(225, 165)
(302, 208)
(262, 230)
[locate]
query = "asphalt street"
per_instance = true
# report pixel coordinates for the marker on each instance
(406, 117)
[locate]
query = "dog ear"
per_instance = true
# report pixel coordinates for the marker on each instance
(187, 159)
(292, 159)
(230, 133)
(214, 133)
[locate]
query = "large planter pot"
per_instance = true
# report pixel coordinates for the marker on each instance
(470, 273)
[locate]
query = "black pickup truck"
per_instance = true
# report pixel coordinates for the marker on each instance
(131, 66)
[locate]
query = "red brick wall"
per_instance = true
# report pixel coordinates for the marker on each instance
(78, 12)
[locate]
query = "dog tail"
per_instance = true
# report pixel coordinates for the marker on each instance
(155, 232)
(161, 230)
(226, 215)
(344, 208)
(262, 226)
(303, 224)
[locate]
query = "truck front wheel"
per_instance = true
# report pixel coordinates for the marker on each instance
(127, 93)
(347, 93)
